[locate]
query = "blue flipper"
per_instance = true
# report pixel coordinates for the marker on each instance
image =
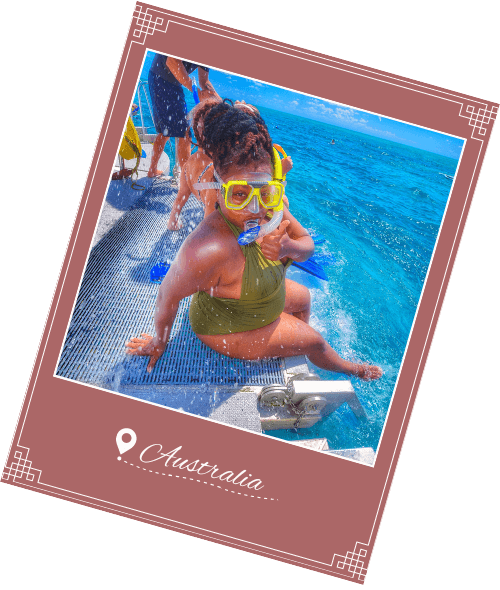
(323, 259)
(158, 272)
(312, 268)
(317, 238)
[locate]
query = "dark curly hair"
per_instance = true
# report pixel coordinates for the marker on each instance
(231, 135)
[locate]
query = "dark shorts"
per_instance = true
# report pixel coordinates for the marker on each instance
(169, 107)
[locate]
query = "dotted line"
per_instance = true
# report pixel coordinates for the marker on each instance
(198, 481)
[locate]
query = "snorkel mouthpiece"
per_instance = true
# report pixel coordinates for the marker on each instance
(257, 231)
(251, 233)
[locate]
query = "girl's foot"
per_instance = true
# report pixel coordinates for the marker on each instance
(155, 173)
(367, 372)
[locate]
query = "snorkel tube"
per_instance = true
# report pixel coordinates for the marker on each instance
(258, 231)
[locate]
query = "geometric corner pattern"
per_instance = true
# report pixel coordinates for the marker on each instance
(21, 468)
(480, 117)
(352, 562)
(147, 23)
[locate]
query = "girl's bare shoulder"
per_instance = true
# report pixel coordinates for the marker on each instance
(210, 243)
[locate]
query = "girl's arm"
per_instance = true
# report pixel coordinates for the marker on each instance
(289, 240)
(195, 268)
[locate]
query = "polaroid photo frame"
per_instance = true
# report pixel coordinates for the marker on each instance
(294, 503)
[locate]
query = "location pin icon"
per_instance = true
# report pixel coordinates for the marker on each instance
(123, 446)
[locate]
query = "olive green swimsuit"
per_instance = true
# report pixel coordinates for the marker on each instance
(261, 302)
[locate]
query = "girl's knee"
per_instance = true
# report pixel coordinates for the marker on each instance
(306, 294)
(318, 344)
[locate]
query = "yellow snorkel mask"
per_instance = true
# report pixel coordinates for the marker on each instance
(274, 199)
(248, 193)
(239, 194)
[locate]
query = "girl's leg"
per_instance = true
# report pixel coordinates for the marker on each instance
(174, 222)
(183, 149)
(287, 336)
(298, 300)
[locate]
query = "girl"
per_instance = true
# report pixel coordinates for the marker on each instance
(198, 169)
(242, 305)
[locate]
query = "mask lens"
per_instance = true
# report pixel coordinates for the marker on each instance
(238, 194)
(270, 195)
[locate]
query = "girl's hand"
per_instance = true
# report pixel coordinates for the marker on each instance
(274, 245)
(146, 346)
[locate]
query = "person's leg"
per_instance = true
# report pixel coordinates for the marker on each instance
(160, 91)
(174, 223)
(183, 149)
(158, 146)
(297, 301)
(285, 337)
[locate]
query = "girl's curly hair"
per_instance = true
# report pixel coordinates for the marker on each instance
(231, 135)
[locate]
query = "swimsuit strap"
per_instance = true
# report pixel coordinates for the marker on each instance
(204, 170)
(236, 230)
(199, 186)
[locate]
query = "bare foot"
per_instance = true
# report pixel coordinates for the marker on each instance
(174, 225)
(368, 372)
(155, 173)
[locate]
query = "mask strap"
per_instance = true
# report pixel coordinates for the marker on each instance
(206, 185)
(209, 185)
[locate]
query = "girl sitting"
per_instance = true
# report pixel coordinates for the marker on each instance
(242, 304)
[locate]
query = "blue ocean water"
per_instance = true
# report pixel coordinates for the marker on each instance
(379, 204)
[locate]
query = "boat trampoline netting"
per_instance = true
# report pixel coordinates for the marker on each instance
(116, 301)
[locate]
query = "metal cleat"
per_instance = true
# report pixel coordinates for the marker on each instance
(305, 400)
(274, 396)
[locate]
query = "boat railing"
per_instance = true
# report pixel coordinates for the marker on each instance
(142, 89)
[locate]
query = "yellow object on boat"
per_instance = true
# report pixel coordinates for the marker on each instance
(130, 146)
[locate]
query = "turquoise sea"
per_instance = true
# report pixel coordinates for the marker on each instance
(379, 204)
